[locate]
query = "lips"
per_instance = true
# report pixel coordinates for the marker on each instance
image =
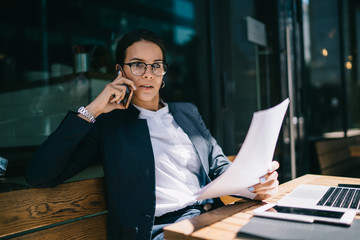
(146, 86)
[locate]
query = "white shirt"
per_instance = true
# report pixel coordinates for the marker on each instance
(177, 165)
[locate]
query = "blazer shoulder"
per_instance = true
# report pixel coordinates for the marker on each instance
(183, 106)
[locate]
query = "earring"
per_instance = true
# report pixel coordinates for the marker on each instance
(163, 84)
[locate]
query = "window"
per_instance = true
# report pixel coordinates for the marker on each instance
(57, 55)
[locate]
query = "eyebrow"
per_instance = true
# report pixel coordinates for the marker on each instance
(142, 60)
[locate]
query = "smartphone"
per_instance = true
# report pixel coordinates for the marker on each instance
(128, 94)
(310, 215)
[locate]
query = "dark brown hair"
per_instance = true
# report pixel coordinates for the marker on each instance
(135, 36)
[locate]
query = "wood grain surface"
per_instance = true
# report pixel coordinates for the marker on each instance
(231, 220)
(90, 228)
(29, 209)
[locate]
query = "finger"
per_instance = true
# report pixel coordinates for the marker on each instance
(123, 80)
(264, 196)
(120, 74)
(270, 191)
(110, 92)
(117, 98)
(126, 104)
(267, 180)
(274, 166)
(116, 95)
(124, 89)
(129, 83)
(119, 106)
(269, 176)
(261, 197)
(258, 188)
(121, 88)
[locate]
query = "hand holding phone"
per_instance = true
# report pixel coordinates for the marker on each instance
(129, 91)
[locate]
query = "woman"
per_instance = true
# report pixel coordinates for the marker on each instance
(155, 155)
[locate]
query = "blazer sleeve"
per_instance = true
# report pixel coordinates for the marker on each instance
(218, 162)
(64, 154)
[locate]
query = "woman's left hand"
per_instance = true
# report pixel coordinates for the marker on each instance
(268, 185)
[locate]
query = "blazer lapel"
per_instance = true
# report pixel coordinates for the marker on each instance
(137, 132)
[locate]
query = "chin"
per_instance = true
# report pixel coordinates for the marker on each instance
(146, 98)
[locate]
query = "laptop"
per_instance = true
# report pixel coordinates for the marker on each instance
(341, 197)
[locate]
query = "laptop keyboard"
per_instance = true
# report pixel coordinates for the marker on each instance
(341, 197)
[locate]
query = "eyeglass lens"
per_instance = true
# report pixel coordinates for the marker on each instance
(138, 69)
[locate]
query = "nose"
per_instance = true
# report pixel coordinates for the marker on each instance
(148, 74)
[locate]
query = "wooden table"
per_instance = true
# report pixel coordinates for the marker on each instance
(224, 223)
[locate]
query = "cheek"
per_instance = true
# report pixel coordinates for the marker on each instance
(128, 74)
(135, 79)
(159, 82)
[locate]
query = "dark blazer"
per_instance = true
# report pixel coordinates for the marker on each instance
(122, 141)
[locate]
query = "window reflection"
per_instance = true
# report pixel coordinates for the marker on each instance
(333, 80)
(324, 69)
(59, 55)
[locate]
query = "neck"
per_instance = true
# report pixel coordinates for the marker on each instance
(153, 105)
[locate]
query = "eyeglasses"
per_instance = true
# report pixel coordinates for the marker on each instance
(139, 68)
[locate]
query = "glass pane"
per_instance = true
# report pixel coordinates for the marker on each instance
(241, 79)
(324, 90)
(351, 16)
(252, 82)
(59, 55)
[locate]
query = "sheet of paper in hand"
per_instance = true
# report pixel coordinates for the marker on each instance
(254, 158)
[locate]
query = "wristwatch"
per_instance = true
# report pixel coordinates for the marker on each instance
(82, 110)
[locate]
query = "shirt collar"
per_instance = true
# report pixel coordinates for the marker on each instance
(148, 113)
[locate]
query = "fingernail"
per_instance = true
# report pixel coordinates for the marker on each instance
(251, 189)
(263, 179)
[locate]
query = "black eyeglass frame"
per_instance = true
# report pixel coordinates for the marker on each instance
(165, 66)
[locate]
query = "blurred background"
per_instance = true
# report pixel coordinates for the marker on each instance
(229, 57)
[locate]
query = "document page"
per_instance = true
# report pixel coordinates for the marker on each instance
(254, 158)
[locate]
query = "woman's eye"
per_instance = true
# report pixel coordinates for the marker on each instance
(138, 64)
(156, 65)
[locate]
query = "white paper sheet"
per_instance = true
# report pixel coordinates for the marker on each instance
(254, 158)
